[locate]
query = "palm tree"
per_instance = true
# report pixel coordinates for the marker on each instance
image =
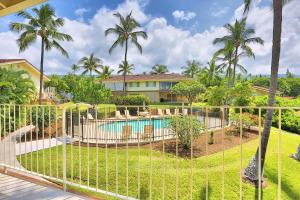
(252, 171)
(105, 73)
(210, 74)
(75, 68)
(44, 24)
(191, 69)
(125, 68)
(240, 37)
(159, 69)
(90, 64)
(125, 31)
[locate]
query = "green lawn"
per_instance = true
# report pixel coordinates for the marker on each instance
(165, 166)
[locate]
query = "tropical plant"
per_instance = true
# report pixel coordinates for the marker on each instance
(90, 64)
(44, 24)
(75, 68)
(240, 37)
(242, 94)
(187, 128)
(126, 31)
(191, 69)
(190, 89)
(252, 171)
(159, 69)
(16, 87)
(209, 75)
(125, 69)
(289, 74)
(105, 72)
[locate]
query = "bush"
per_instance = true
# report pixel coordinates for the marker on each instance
(185, 127)
(42, 116)
(135, 100)
(248, 120)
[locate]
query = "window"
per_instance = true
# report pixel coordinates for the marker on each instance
(150, 84)
(134, 84)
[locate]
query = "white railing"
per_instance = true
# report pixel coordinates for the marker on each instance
(130, 152)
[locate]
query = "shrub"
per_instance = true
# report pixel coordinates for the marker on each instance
(248, 120)
(41, 116)
(185, 127)
(131, 100)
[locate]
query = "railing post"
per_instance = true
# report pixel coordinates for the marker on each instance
(64, 150)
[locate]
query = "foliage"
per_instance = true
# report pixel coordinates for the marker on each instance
(187, 128)
(16, 86)
(105, 72)
(42, 116)
(90, 64)
(58, 83)
(242, 94)
(211, 138)
(159, 69)
(75, 68)
(190, 89)
(131, 100)
(247, 119)
(191, 69)
(209, 75)
(216, 95)
(88, 90)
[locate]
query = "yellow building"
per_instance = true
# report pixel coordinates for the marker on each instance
(22, 64)
(155, 86)
(11, 6)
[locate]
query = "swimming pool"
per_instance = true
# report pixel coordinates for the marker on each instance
(137, 126)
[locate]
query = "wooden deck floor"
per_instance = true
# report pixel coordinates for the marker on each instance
(12, 188)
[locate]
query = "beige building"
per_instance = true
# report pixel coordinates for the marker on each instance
(22, 64)
(155, 86)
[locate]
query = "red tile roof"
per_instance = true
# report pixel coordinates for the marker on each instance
(10, 60)
(148, 77)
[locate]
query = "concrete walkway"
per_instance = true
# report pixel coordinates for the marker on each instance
(12, 188)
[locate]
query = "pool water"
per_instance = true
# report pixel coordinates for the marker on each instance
(137, 126)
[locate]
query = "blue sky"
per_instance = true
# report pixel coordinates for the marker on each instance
(178, 30)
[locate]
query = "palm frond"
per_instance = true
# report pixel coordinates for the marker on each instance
(60, 48)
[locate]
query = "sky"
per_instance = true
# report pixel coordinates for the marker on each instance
(178, 30)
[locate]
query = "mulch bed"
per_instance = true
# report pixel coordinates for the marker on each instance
(199, 144)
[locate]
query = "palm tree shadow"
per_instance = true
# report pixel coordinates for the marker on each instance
(257, 193)
(272, 176)
(202, 194)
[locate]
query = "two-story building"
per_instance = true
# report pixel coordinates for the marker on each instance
(155, 86)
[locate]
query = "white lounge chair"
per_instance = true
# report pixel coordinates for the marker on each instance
(160, 112)
(176, 112)
(168, 112)
(90, 117)
(127, 114)
(185, 112)
(118, 114)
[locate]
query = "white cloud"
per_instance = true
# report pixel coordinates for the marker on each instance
(220, 12)
(81, 11)
(166, 44)
(183, 16)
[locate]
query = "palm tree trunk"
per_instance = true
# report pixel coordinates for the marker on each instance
(125, 59)
(235, 64)
(41, 71)
(252, 170)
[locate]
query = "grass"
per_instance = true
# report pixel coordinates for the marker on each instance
(191, 173)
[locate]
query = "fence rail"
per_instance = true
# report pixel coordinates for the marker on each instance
(137, 152)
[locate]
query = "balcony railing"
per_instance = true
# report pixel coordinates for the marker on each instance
(137, 152)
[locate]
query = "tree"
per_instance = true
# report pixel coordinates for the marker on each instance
(43, 24)
(240, 37)
(191, 69)
(217, 95)
(242, 94)
(90, 64)
(289, 74)
(16, 87)
(159, 69)
(190, 89)
(125, 31)
(105, 72)
(75, 68)
(252, 171)
(125, 68)
(209, 75)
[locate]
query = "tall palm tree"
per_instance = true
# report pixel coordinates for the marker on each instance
(41, 23)
(106, 72)
(252, 171)
(191, 69)
(210, 73)
(159, 69)
(75, 68)
(90, 64)
(125, 68)
(240, 36)
(125, 32)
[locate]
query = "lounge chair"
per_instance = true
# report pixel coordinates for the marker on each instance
(90, 117)
(160, 112)
(176, 112)
(168, 112)
(143, 113)
(126, 132)
(148, 132)
(127, 114)
(118, 114)
(185, 112)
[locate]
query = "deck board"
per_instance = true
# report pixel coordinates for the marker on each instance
(12, 188)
